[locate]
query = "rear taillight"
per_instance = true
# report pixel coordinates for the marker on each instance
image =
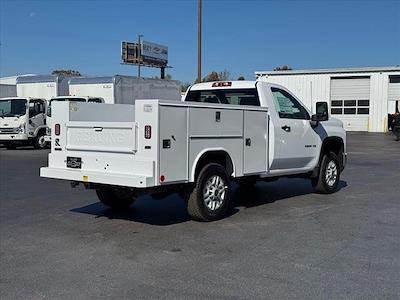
(57, 129)
(147, 132)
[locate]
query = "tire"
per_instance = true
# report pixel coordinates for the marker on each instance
(10, 146)
(40, 143)
(115, 198)
(214, 181)
(327, 183)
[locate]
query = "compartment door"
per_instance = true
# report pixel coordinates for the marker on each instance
(173, 144)
(255, 142)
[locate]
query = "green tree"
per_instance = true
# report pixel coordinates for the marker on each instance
(67, 73)
(185, 86)
(283, 68)
(241, 78)
(213, 76)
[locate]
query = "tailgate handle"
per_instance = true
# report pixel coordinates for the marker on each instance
(98, 128)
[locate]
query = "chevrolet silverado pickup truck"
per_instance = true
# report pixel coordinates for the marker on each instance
(243, 131)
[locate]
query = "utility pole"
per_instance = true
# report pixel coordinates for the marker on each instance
(199, 17)
(139, 52)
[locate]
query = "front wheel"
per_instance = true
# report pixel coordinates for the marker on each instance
(40, 142)
(329, 175)
(116, 198)
(210, 198)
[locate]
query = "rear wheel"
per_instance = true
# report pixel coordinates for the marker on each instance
(329, 175)
(210, 199)
(40, 142)
(116, 198)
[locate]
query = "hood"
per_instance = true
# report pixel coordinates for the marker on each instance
(11, 122)
(334, 122)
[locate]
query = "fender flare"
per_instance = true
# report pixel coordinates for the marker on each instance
(204, 152)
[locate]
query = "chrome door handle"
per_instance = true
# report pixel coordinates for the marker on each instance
(286, 128)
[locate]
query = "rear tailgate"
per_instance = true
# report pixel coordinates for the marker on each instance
(97, 143)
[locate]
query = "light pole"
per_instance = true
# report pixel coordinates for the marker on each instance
(199, 17)
(139, 52)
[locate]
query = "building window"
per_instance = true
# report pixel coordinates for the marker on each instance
(350, 107)
(394, 78)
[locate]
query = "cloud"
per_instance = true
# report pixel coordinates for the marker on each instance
(32, 14)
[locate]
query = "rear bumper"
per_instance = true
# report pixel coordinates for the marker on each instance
(135, 181)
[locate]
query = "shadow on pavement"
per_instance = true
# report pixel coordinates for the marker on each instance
(172, 209)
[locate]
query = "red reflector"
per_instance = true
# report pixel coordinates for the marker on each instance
(162, 178)
(57, 129)
(147, 132)
(222, 83)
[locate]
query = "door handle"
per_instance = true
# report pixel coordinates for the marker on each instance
(286, 128)
(248, 142)
(98, 128)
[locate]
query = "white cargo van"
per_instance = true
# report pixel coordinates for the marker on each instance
(241, 130)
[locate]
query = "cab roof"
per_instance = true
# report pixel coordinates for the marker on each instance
(236, 84)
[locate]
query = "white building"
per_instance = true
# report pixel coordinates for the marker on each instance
(360, 97)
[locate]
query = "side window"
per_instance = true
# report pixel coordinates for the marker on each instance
(287, 106)
(95, 100)
(41, 107)
(36, 107)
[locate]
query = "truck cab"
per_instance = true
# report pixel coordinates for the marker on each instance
(87, 99)
(294, 138)
(22, 122)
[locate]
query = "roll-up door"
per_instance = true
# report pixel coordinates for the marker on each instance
(350, 101)
(393, 93)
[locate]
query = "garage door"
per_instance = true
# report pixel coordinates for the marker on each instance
(393, 93)
(350, 102)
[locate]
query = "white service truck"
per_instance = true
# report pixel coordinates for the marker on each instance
(241, 130)
(22, 122)
(49, 122)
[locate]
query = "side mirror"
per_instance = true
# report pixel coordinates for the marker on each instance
(322, 113)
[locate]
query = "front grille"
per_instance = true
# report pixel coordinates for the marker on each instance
(8, 130)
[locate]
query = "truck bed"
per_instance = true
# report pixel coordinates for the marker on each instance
(154, 142)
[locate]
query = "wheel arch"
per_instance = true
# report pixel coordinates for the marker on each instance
(216, 155)
(334, 144)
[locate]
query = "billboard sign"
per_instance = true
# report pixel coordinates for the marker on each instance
(129, 53)
(154, 52)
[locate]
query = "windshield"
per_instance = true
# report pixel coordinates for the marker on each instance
(12, 108)
(63, 99)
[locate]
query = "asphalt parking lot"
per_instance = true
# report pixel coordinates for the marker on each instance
(281, 241)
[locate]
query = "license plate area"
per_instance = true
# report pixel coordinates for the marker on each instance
(74, 162)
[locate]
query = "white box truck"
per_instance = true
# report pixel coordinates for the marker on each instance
(42, 86)
(121, 89)
(242, 130)
(22, 122)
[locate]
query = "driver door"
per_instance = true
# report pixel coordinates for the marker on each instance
(296, 142)
(36, 115)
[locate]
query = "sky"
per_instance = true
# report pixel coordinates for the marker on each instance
(241, 37)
